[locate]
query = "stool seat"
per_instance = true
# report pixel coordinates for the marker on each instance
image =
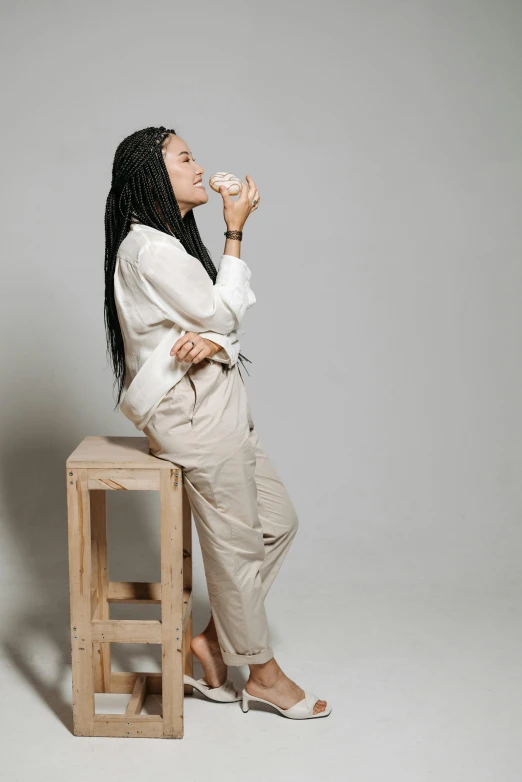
(119, 452)
(97, 465)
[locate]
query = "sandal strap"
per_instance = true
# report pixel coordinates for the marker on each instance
(228, 688)
(304, 707)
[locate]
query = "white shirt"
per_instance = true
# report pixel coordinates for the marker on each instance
(161, 292)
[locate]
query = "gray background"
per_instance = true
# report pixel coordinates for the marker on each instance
(386, 382)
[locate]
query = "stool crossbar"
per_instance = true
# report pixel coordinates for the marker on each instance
(100, 464)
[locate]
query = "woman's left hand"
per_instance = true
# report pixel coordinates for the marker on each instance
(202, 348)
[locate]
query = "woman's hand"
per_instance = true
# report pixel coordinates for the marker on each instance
(203, 348)
(237, 212)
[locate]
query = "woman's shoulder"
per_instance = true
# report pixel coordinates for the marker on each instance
(144, 238)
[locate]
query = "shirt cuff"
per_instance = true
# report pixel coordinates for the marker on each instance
(233, 270)
(229, 347)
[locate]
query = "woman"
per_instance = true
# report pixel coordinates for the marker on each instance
(172, 327)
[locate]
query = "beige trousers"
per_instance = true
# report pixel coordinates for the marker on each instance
(243, 514)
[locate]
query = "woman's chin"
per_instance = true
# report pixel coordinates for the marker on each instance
(202, 199)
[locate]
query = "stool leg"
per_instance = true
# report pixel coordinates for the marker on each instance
(100, 582)
(172, 601)
(188, 657)
(79, 543)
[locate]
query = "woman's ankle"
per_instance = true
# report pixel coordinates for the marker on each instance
(266, 674)
(210, 632)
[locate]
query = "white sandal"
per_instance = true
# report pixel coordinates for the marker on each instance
(226, 693)
(302, 710)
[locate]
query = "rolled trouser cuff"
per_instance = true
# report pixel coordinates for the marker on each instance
(230, 658)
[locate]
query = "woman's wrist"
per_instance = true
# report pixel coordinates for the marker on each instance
(233, 241)
(234, 233)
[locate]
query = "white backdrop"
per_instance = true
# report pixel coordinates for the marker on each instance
(386, 379)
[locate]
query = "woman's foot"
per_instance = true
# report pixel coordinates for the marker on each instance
(268, 681)
(205, 647)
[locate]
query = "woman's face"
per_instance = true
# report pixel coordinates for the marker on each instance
(184, 174)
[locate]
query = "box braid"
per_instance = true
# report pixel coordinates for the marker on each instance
(141, 189)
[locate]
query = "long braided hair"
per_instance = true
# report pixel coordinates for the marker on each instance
(141, 189)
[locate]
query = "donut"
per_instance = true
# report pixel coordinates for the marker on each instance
(231, 182)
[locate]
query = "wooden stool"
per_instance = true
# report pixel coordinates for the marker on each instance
(97, 465)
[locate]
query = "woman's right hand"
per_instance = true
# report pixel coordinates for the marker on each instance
(237, 212)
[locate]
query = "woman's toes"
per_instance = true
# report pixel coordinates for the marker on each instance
(319, 706)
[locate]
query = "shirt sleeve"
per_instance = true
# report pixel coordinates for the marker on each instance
(178, 284)
(230, 346)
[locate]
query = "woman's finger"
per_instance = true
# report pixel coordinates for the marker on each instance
(200, 351)
(226, 195)
(194, 350)
(178, 345)
(246, 192)
(243, 196)
(201, 355)
(186, 339)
